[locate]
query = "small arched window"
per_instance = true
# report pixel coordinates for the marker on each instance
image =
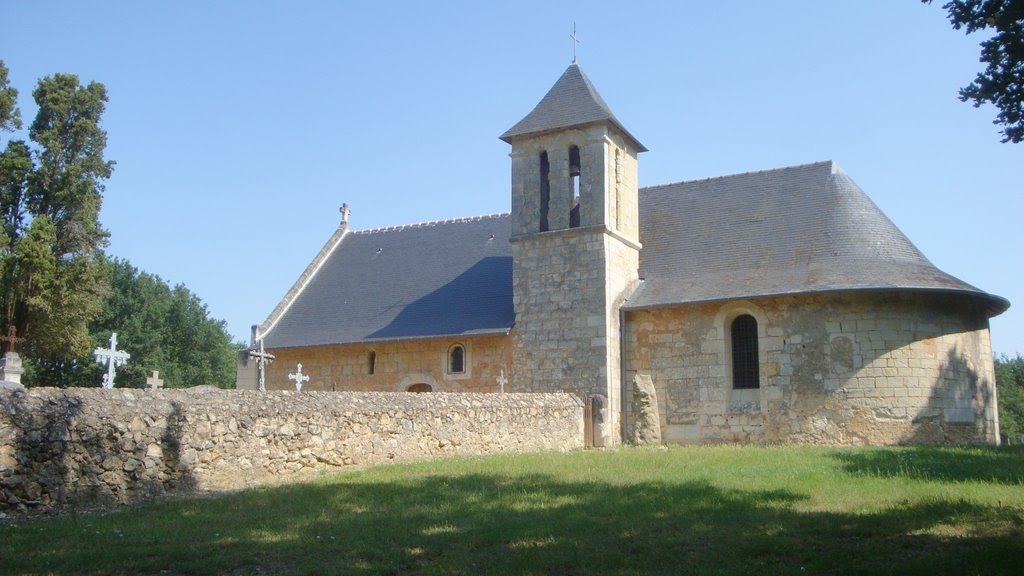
(745, 372)
(371, 362)
(421, 387)
(456, 359)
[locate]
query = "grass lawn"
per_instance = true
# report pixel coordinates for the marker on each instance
(698, 510)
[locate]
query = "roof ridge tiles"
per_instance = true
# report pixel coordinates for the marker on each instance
(400, 227)
(835, 168)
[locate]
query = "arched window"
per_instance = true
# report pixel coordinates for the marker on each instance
(574, 174)
(421, 387)
(371, 362)
(456, 359)
(745, 372)
(545, 191)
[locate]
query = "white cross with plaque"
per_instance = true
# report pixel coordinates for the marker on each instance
(262, 359)
(502, 381)
(112, 357)
(299, 378)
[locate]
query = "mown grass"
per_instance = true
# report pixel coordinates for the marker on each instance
(700, 510)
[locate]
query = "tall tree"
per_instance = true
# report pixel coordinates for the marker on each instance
(163, 328)
(1002, 81)
(51, 258)
(1010, 393)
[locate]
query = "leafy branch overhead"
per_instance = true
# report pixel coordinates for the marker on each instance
(1002, 81)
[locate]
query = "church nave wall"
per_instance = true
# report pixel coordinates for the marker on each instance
(397, 365)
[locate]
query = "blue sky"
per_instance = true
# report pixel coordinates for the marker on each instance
(239, 128)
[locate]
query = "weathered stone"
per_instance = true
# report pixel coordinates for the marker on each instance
(646, 428)
(107, 459)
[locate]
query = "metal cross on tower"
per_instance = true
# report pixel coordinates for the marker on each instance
(575, 41)
(299, 378)
(262, 359)
(112, 357)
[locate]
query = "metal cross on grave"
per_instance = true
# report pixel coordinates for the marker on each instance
(154, 381)
(262, 359)
(299, 378)
(112, 357)
(501, 380)
(12, 339)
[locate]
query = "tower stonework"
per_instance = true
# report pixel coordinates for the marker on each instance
(575, 244)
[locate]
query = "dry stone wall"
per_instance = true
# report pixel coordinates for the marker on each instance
(73, 448)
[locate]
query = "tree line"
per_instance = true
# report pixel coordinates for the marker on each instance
(58, 288)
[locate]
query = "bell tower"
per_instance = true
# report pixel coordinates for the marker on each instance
(575, 243)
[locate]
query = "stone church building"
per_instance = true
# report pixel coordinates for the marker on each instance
(774, 306)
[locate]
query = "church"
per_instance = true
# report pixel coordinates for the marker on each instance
(772, 306)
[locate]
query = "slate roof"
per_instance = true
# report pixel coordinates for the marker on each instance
(796, 230)
(420, 281)
(572, 101)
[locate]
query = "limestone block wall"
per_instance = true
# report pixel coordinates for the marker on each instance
(397, 365)
(870, 368)
(71, 448)
(560, 337)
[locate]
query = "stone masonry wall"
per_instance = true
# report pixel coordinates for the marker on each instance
(870, 368)
(74, 448)
(398, 365)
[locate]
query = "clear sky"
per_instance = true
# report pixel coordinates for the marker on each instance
(239, 128)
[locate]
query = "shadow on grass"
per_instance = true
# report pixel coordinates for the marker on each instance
(516, 524)
(1003, 465)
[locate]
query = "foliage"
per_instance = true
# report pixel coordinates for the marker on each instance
(164, 329)
(1002, 82)
(695, 510)
(1010, 395)
(53, 279)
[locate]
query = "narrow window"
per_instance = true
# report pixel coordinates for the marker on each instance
(456, 359)
(574, 174)
(545, 191)
(371, 362)
(744, 353)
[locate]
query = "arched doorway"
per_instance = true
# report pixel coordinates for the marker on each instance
(421, 387)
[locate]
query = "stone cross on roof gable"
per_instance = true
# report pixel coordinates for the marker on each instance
(112, 357)
(299, 378)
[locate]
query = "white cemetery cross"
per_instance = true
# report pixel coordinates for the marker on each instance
(113, 358)
(154, 380)
(502, 381)
(299, 378)
(262, 359)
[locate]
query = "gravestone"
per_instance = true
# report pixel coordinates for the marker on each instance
(262, 358)
(113, 358)
(10, 364)
(154, 381)
(299, 378)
